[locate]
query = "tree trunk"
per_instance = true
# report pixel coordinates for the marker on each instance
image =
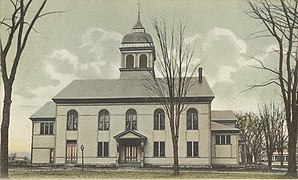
(292, 167)
(269, 155)
(249, 157)
(282, 156)
(176, 159)
(255, 158)
(5, 130)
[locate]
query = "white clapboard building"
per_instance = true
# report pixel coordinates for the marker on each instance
(119, 123)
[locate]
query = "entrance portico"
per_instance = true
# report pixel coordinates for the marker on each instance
(130, 148)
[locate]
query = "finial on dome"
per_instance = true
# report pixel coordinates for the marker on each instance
(139, 24)
(139, 13)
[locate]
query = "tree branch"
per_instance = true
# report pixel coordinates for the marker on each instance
(23, 44)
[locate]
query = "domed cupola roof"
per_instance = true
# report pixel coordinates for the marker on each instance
(138, 35)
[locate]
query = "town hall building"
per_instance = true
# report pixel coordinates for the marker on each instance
(116, 122)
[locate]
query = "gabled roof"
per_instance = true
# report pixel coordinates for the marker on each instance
(122, 88)
(130, 134)
(226, 115)
(47, 111)
(217, 127)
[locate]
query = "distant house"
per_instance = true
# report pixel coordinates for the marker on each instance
(119, 123)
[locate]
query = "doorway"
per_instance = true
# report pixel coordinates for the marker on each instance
(71, 151)
(131, 154)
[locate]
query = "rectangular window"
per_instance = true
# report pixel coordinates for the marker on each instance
(107, 123)
(159, 121)
(192, 119)
(195, 149)
(156, 122)
(47, 128)
(156, 148)
(195, 122)
(100, 124)
(134, 122)
(189, 149)
(42, 131)
(162, 122)
(228, 139)
(217, 139)
(222, 139)
(104, 121)
(159, 149)
(51, 128)
(162, 152)
(192, 149)
(106, 149)
(188, 123)
(99, 149)
(103, 149)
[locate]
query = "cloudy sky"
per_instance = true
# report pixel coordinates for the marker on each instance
(83, 43)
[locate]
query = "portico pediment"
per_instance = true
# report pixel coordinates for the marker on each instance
(130, 134)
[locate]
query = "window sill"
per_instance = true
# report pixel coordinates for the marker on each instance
(192, 157)
(223, 144)
(103, 157)
(158, 156)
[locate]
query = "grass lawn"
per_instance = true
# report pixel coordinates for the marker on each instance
(38, 172)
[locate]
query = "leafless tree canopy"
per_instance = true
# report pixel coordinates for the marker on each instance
(251, 133)
(18, 27)
(174, 62)
(271, 118)
(280, 19)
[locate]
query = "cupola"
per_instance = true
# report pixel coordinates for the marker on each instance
(137, 53)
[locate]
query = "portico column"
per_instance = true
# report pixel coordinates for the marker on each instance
(117, 156)
(142, 153)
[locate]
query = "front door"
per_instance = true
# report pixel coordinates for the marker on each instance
(71, 151)
(131, 154)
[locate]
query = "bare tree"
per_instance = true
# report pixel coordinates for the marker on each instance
(18, 26)
(270, 117)
(280, 19)
(251, 133)
(174, 64)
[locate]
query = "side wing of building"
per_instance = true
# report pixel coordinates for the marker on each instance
(225, 138)
(43, 134)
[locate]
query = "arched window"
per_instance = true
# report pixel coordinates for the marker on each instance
(72, 120)
(103, 120)
(192, 119)
(143, 61)
(129, 61)
(159, 119)
(131, 119)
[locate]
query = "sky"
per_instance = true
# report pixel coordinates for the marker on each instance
(83, 43)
